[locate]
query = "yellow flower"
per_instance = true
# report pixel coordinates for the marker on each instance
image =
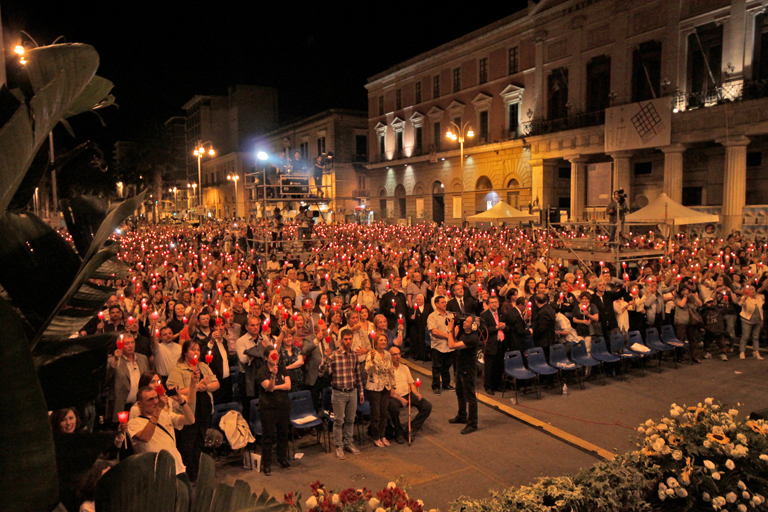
(718, 438)
(760, 429)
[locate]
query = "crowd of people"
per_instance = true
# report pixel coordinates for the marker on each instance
(205, 311)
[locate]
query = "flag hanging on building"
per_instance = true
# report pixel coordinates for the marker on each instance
(645, 124)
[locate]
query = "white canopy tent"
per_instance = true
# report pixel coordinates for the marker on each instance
(503, 212)
(666, 211)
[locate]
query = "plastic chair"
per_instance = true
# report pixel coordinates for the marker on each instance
(514, 368)
(580, 356)
(220, 410)
(327, 405)
(363, 409)
(529, 343)
(537, 363)
(302, 408)
(234, 373)
(653, 340)
(254, 422)
(636, 338)
(619, 348)
(558, 358)
(669, 336)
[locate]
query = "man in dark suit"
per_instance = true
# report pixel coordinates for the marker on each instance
(604, 301)
(124, 369)
(544, 325)
(393, 304)
(220, 364)
(518, 330)
(493, 353)
(462, 303)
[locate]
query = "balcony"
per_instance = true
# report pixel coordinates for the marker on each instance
(725, 93)
(361, 193)
(545, 126)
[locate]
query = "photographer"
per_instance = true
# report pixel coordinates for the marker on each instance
(467, 341)
(616, 211)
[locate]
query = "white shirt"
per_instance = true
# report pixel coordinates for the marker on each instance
(242, 344)
(161, 439)
(166, 357)
(437, 320)
(403, 379)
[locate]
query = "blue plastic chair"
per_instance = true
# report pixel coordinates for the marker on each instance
(302, 407)
(234, 374)
(537, 363)
(653, 340)
(669, 336)
(558, 358)
(580, 356)
(327, 405)
(516, 370)
(220, 410)
(254, 422)
(636, 338)
(618, 347)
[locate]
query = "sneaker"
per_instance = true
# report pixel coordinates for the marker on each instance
(757, 356)
(723, 357)
(352, 449)
(742, 355)
(340, 453)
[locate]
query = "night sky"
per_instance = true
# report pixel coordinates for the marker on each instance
(161, 53)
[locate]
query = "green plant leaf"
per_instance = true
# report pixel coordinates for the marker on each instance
(28, 479)
(204, 488)
(83, 216)
(222, 498)
(140, 483)
(95, 96)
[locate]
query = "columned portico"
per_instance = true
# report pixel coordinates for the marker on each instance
(578, 186)
(542, 179)
(621, 172)
(673, 171)
(734, 182)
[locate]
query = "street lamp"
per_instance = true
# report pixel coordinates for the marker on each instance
(459, 134)
(193, 186)
(199, 152)
(234, 179)
(175, 205)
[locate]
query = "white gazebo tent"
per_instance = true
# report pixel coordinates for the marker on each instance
(503, 212)
(668, 213)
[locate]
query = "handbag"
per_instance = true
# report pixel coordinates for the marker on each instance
(695, 317)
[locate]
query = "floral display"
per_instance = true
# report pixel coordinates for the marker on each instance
(700, 457)
(393, 498)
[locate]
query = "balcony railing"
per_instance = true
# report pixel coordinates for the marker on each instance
(727, 92)
(545, 126)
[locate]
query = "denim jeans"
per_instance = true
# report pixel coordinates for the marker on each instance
(344, 410)
(749, 330)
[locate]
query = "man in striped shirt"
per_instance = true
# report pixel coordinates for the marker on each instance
(347, 384)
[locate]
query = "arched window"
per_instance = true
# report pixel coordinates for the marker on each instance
(401, 201)
(483, 183)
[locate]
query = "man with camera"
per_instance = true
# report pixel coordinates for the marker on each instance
(467, 341)
(616, 211)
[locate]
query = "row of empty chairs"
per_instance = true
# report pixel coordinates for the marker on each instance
(620, 352)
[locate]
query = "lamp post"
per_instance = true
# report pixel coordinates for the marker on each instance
(193, 186)
(461, 131)
(199, 152)
(175, 204)
(233, 178)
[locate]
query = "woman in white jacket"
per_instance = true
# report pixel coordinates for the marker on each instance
(751, 321)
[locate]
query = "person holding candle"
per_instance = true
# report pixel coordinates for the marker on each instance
(467, 342)
(405, 391)
(442, 355)
(192, 437)
(124, 369)
(417, 325)
(393, 303)
(216, 348)
(381, 379)
(366, 297)
(166, 351)
(751, 321)
(495, 346)
(274, 410)
(292, 361)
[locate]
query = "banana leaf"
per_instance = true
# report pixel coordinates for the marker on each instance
(72, 371)
(240, 496)
(204, 488)
(31, 181)
(28, 478)
(222, 498)
(140, 483)
(83, 216)
(112, 269)
(95, 96)
(58, 75)
(113, 220)
(37, 265)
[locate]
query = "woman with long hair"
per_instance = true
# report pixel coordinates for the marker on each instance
(381, 379)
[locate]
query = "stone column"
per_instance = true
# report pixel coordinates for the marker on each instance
(673, 171)
(734, 182)
(621, 172)
(578, 186)
(537, 179)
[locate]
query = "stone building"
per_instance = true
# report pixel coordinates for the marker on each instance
(569, 100)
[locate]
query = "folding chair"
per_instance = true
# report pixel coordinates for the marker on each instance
(303, 415)
(580, 356)
(537, 363)
(515, 369)
(636, 338)
(558, 358)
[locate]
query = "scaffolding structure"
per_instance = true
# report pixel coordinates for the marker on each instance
(275, 198)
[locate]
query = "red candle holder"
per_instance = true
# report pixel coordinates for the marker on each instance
(160, 390)
(122, 417)
(208, 358)
(193, 361)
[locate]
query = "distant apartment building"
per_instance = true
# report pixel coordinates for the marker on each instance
(570, 100)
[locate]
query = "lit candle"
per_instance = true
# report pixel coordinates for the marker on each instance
(122, 417)
(208, 357)
(153, 315)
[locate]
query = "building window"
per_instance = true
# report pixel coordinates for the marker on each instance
(382, 146)
(435, 87)
(457, 79)
(304, 150)
(417, 93)
(646, 71)
(513, 111)
(381, 105)
(483, 68)
(418, 139)
(514, 60)
(383, 208)
(402, 207)
(760, 55)
(361, 146)
(437, 135)
(754, 159)
(643, 168)
(482, 120)
(362, 182)
(557, 105)
(598, 83)
(398, 99)
(705, 54)
(692, 196)
(320, 146)
(564, 173)
(399, 143)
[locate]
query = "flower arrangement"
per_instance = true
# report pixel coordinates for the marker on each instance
(393, 498)
(699, 458)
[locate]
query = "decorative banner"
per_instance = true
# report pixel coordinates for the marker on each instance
(646, 124)
(599, 184)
